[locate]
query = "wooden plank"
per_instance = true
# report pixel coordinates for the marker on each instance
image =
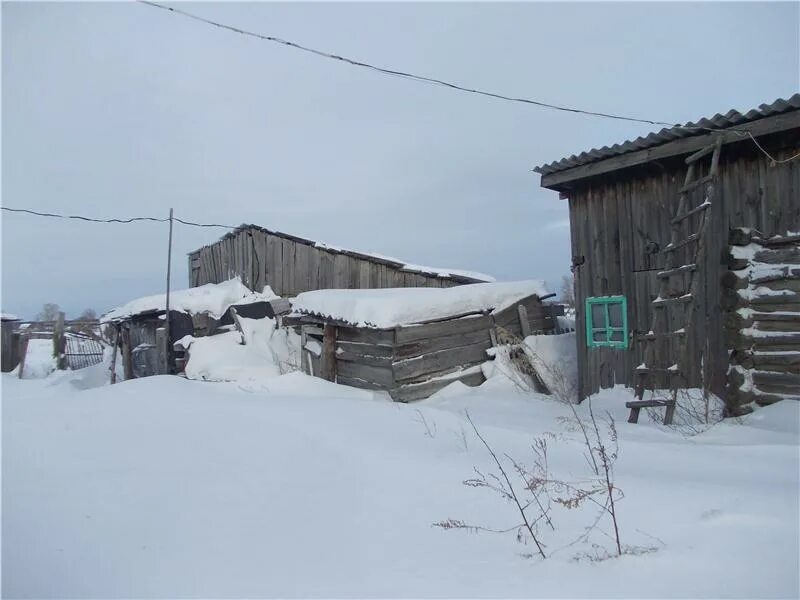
(359, 383)
(442, 342)
(357, 349)
(378, 337)
(340, 271)
(23, 353)
(771, 377)
(435, 362)
(287, 267)
(418, 391)
(114, 350)
(127, 358)
(59, 343)
(364, 359)
(329, 353)
(304, 365)
(779, 256)
(411, 333)
(274, 264)
(377, 375)
(560, 181)
(162, 351)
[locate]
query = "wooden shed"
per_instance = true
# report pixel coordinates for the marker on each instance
(139, 328)
(361, 340)
(686, 259)
(291, 265)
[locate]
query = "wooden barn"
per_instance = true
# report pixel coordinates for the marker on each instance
(413, 342)
(686, 259)
(291, 265)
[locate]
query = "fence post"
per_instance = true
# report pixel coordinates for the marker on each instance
(161, 350)
(328, 359)
(114, 356)
(23, 351)
(127, 359)
(60, 343)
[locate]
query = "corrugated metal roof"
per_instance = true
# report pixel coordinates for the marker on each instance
(729, 119)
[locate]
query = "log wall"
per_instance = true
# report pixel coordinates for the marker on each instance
(291, 265)
(761, 300)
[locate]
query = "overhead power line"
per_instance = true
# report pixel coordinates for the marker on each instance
(80, 218)
(447, 84)
(124, 221)
(398, 73)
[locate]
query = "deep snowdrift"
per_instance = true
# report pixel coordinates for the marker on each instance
(164, 487)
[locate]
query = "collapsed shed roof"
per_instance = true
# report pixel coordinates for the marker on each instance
(212, 299)
(758, 121)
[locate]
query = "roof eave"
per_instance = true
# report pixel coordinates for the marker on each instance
(563, 181)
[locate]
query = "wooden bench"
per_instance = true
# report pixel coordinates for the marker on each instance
(637, 405)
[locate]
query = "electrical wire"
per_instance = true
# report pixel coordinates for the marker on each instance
(397, 73)
(447, 84)
(80, 218)
(124, 221)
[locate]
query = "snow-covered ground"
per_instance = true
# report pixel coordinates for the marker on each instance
(166, 487)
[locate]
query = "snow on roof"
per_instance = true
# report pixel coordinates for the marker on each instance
(385, 308)
(8, 317)
(211, 298)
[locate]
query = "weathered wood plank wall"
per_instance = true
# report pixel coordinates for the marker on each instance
(620, 222)
(412, 362)
(292, 265)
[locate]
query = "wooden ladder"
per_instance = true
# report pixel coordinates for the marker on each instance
(676, 296)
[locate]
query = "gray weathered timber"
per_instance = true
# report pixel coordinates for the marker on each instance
(620, 225)
(9, 353)
(291, 265)
(378, 337)
(441, 361)
(379, 375)
(413, 361)
(418, 391)
(444, 342)
(356, 349)
(412, 333)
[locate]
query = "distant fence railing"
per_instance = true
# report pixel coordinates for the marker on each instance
(77, 344)
(82, 351)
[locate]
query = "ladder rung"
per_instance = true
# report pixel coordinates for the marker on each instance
(696, 184)
(646, 370)
(655, 336)
(672, 247)
(659, 302)
(694, 211)
(676, 271)
(700, 154)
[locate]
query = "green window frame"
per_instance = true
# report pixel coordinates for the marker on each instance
(607, 322)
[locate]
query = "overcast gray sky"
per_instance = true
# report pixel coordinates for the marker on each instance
(116, 110)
